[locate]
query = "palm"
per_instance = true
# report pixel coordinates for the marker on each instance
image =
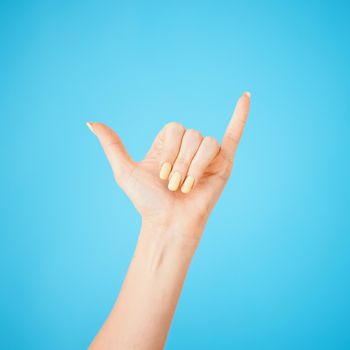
(151, 196)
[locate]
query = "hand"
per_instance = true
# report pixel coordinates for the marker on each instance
(183, 174)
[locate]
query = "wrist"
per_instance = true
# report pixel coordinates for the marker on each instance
(180, 229)
(166, 239)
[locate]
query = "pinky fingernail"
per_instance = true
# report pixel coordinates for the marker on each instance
(187, 185)
(165, 170)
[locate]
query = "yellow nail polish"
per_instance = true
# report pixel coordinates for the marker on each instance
(187, 185)
(89, 125)
(247, 93)
(165, 170)
(174, 182)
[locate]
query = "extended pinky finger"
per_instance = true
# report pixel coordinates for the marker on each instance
(206, 153)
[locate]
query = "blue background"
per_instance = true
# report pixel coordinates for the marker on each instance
(272, 270)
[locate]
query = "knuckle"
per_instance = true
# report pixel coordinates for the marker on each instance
(111, 146)
(211, 142)
(175, 126)
(226, 160)
(226, 170)
(181, 161)
(242, 121)
(194, 134)
(233, 137)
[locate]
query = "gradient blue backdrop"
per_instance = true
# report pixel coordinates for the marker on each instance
(272, 270)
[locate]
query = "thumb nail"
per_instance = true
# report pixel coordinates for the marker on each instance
(90, 126)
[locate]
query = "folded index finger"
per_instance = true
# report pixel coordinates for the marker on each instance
(235, 127)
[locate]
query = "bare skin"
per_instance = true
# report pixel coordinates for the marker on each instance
(174, 188)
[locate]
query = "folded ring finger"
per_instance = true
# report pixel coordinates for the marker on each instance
(207, 151)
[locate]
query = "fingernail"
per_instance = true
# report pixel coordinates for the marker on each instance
(247, 93)
(187, 185)
(174, 181)
(89, 125)
(165, 170)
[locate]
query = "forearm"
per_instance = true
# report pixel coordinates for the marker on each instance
(146, 304)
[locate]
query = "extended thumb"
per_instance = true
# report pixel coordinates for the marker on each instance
(118, 157)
